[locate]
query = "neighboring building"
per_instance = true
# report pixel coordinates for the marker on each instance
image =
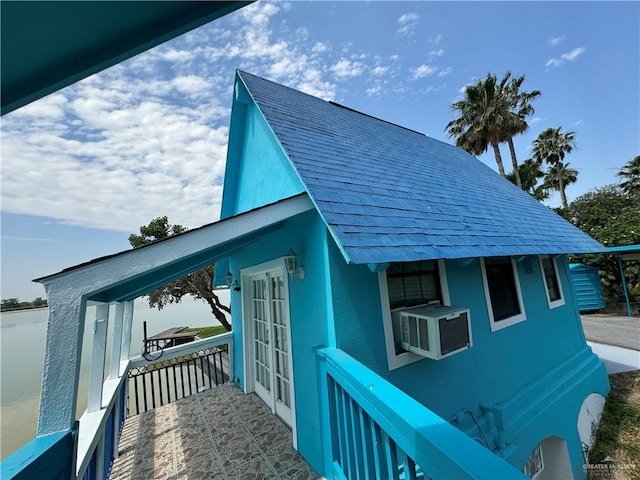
(402, 307)
(401, 220)
(586, 287)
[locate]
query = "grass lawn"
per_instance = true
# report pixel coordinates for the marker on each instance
(207, 331)
(618, 437)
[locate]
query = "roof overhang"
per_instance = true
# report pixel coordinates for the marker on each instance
(132, 273)
(48, 45)
(626, 252)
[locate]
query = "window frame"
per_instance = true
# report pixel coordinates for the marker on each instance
(405, 358)
(560, 301)
(514, 319)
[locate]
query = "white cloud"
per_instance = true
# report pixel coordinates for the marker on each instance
(573, 54)
(555, 41)
(148, 137)
(445, 71)
(437, 53)
(424, 70)
(319, 47)
(569, 56)
(191, 84)
(344, 68)
(174, 55)
(379, 70)
(407, 23)
(372, 91)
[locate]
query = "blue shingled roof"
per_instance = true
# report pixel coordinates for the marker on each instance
(389, 194)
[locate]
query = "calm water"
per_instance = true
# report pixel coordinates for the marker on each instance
(22, 343)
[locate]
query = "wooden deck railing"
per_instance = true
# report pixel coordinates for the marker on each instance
(377, 431)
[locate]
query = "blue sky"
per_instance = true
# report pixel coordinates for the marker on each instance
(86, 166)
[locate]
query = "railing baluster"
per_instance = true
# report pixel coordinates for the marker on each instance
(378, 451)
(167, 383)
(135, 388)
(215, 366)
(188, 377)
(153, 390)
(410, 468)
(365, 439)
(175, 381)
(181, 379)
(209, 356)
(391, 456)
(341, 450)
(348, 435)
(160, 386)
(357, 441)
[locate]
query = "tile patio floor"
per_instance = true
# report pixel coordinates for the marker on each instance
(220, 433)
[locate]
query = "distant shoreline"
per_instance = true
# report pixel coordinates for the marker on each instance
(23, 309)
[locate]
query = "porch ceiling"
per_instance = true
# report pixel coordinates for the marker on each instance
(47, 45)
(132, 273)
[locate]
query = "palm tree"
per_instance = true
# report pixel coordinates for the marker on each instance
(492, 112)
(520, 105)
(631, 173)
(530, 173)
(551, 146)
(563, 171)
(481, 118)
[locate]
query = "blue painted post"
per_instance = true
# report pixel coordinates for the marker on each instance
(624, 286)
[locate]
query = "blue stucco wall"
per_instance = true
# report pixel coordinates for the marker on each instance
(261, 172)
(310, 318)
(498, 366)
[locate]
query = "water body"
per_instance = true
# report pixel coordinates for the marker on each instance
(22, 345)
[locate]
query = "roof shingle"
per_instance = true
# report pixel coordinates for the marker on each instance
(391, 194)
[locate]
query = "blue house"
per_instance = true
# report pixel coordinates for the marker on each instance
(400, 221)
(404, 309)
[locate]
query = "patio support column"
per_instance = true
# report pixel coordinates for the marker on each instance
(114, 360)
(125, 345)
(61, 370)
(96, 377)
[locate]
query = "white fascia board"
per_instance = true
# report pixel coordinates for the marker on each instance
(101, 274)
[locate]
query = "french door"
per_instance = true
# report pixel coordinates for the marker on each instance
(270, 341)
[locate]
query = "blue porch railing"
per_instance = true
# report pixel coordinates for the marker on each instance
(375, 431)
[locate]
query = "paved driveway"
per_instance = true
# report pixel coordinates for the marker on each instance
(612, 330)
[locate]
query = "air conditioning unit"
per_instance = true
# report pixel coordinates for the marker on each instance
(435, 331)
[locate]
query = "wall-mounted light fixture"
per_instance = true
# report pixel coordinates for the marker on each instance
(291, 264)
(231, 283)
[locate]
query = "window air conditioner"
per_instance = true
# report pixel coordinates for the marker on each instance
(435, 331)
